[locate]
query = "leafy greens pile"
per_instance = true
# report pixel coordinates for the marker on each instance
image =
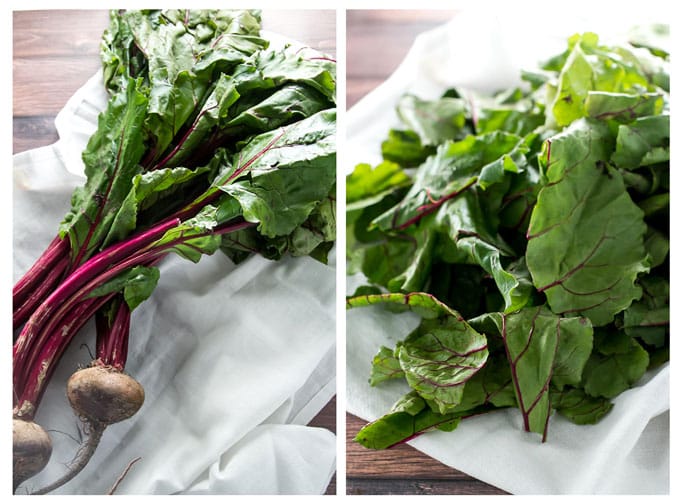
(211, 140)
(530, 232)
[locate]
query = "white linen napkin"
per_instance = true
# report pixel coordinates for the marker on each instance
(628, 451)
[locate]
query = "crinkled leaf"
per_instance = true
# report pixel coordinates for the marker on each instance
(643, 142)
(289, 171)
(585, 246)
(578, 407)
(111, 161)
(273, 68)
(441, 355)
(590, 67)
(181, 55)
(314, 237)
(649, 318)
(163, 187)
(287, 104)
(608, 375)
(434, 121)
(193, 238)
(456, 167)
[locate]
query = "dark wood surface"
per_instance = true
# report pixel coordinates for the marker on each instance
(56, 51)
(377, 41)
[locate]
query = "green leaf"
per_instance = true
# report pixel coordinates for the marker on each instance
(416, 273)
(405, 148)
(610, 373)
(271, 68)
(657, 246)
(578, 407)
(541, 346)
(289, 171)
(434, 121)
(441, 355)
(193, 238)
(649, 318)
(456, 167)
(397, 427)
(643, 142)
(137, 284)
(585, 246)
(111, 162)
(590, 67)
(622, 107)
(385, 366)
(366, 186)
(573, 350)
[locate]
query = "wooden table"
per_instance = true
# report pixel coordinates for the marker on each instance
(56, 51)
(377, 41)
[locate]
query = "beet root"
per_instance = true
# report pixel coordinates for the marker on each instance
(104, 395)
(32, 449)
(100, 396)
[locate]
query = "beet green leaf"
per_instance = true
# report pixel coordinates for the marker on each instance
(585, 246)
(441, 354)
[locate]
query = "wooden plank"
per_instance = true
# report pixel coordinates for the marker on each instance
(403, 470)
(58, 32)
(379, 486)
(378, 41)
(32, 132)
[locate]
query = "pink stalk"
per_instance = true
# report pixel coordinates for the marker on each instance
(91, 269)
(112, 339)
(56, 250)
(26, 400)
(80, 284)
(23, 312)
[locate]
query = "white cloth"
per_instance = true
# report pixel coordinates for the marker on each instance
(234, 360)
(628, 451)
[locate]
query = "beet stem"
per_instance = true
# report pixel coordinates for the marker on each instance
(23, 312)
(57, 249)
(30, 339)
(28, 397)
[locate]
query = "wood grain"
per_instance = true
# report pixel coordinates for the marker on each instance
(378, 40)
(56, 51)
(403, 470)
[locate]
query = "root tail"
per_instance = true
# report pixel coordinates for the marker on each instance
(94, 432)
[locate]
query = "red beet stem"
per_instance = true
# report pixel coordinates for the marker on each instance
(56, 250)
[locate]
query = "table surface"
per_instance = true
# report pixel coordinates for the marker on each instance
(56, 51)
(377, 41)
